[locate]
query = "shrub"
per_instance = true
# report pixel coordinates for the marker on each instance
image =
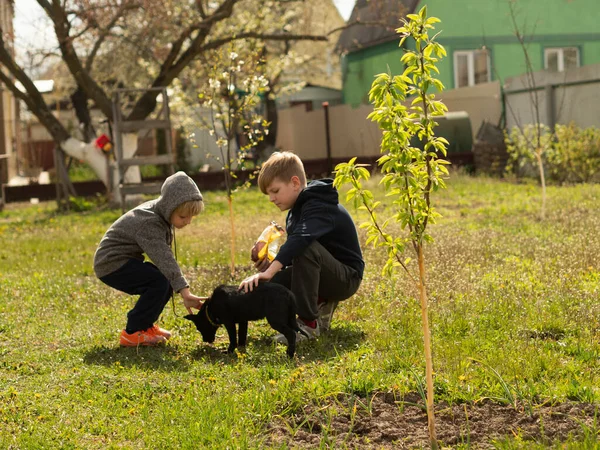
(576, 155)
(572, 153)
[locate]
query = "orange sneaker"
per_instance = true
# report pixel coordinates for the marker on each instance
(147, 337)
(161, 331)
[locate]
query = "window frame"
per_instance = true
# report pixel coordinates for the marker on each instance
(561, 56)
(470, 53)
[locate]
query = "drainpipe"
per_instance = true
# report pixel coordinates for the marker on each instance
(327, 138)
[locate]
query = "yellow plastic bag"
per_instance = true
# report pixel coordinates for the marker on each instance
(268, 243)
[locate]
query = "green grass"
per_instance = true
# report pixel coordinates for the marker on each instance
(514, 312)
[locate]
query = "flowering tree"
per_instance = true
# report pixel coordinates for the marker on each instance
(105, 44)
(232, 96)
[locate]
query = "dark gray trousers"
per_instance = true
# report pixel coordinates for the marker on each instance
(316, 273)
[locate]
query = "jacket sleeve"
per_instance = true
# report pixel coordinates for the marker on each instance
(314, 222)
(152, 240)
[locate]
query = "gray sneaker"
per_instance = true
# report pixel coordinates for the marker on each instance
(326, 310)
(311, 333)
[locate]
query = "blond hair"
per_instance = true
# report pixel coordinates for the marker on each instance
(190, 208)
(282, 166)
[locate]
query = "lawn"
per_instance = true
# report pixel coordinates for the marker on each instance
(514, 312)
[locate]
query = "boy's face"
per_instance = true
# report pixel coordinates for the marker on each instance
(284, 194)
(180, 220)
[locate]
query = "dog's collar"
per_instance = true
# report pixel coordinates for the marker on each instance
(214, 323)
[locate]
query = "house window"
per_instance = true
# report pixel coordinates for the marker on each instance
(471, 67)
(559, 59)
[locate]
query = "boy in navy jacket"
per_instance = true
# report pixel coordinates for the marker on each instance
(321, 260)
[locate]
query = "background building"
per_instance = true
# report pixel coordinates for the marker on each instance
(479, 37)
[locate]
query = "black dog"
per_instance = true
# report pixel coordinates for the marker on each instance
(228, 306)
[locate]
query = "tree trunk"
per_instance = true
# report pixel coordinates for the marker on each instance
(538, 156)
(98, 161)
(79, 99)
(427, 347)
(232, 246)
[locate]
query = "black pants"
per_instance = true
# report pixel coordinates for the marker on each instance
(316, 273)
(143, 279)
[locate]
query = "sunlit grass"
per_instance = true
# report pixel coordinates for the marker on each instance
(514, 315)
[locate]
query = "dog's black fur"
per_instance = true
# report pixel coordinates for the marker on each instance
(229, 306)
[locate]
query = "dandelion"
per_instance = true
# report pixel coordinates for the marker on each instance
(272, 382)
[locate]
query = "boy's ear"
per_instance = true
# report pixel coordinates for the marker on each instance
(296, 182)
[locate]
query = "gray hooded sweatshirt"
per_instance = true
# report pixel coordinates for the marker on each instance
(146, 229)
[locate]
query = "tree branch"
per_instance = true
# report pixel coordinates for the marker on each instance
(201, 10)
(82, 76)
(265, 37)
(104, 32)
(176, 47)
(32, 97)
(147, 102)
(362, 23)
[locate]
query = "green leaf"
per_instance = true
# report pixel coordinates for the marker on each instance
(427, 51)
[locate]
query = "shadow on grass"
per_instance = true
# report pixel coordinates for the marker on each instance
(158, 358)
(341, 338)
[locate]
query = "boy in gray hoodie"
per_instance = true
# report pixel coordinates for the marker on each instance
(148, 228)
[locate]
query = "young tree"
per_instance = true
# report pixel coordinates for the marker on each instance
(532, 141)
(410, 174)
(233, 95)
(135, 43)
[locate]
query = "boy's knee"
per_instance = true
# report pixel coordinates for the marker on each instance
(162, 284)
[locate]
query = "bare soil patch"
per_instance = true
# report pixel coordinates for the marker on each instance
(386, 421)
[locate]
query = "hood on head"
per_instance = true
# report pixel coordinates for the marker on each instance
(176, 190)
(321, 189)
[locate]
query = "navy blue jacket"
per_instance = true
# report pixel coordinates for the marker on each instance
(317, 215)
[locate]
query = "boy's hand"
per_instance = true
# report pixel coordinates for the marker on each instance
(256, 248)
(190, 300)
(251, 282)
(262, 265)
